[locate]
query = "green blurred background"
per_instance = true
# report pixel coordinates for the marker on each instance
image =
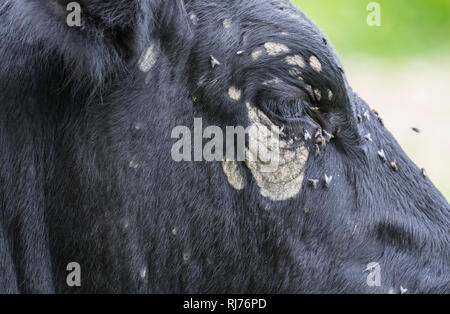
(401, 68)
(408, 27)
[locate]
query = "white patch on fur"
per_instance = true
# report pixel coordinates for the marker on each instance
(310, 90)
(274, 49)
(133, 164)
(274, 81)
(186, 256)
(148, 59)
(257, 53)
(233, 174)
(315, 64)
(143, 273)
(193, 18)
(234, 93)
(330, 94)
(286, 180)
(295, 61)
(226, 23)
(318, 94)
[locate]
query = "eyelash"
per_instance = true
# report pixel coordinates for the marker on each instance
(286, 109)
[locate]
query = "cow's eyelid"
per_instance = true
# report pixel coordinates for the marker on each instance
(286, 108)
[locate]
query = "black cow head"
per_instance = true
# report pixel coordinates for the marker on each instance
(342, 195)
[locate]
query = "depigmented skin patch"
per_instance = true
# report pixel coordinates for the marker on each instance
(234, 93)
(284, 181)
(234, 175)
(274, 49)
(315, 64)
(148, 59)
(295, 61)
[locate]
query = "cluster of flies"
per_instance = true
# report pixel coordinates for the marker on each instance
(322, 138)
(381, 153)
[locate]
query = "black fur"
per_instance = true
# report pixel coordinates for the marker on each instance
(70, 98)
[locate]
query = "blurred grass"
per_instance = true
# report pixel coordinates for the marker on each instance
(401, 68)
(409, 28)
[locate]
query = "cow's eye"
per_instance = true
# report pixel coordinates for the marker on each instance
(286, 108)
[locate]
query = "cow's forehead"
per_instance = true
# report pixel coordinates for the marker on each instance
(269, 19)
